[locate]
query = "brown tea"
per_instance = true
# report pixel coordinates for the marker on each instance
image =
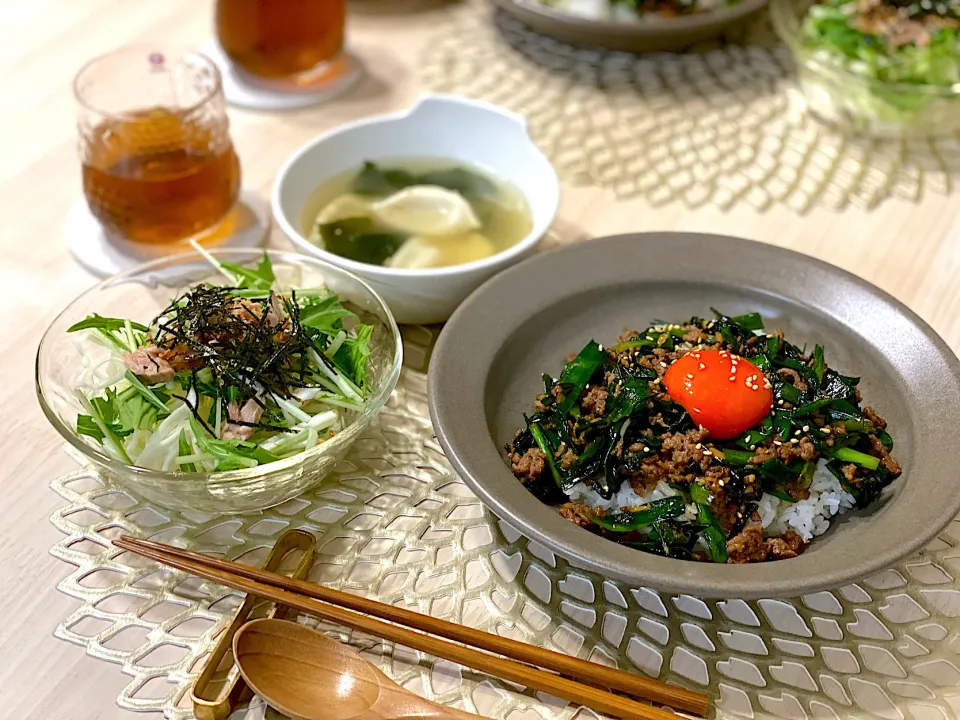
(159, 176)
(280, 38)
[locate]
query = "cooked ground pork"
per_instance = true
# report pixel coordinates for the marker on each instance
(574, 512)
(886, 461)
(787, 452)
(568, 459)
(878, 422)
(794, 377)
(659, 360)
(529, 465)
(594, 401)
(750, 546)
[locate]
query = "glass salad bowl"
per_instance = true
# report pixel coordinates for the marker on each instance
(848, 94)
(64, 362)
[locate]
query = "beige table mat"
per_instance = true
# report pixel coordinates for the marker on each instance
(723, 125)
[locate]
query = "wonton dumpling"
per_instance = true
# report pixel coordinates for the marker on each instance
(429, 252)
(426, 210)
(343, 207)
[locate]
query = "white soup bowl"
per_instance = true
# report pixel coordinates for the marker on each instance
(441, 127)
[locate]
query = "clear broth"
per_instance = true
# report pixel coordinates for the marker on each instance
(504, 214)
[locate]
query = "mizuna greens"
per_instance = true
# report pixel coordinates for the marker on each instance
(225, 377)
(617, 455)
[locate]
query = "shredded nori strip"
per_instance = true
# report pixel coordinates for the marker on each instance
(212, 328)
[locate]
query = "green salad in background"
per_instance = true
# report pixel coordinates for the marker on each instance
(896, 41)
(886, 68)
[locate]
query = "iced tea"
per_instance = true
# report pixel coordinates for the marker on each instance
(275, 39)
(157, 177)
(157, 162)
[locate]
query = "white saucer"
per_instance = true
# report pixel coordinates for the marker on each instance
(246, 225)
(245, 92)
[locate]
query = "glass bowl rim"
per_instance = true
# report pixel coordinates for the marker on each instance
(223, 478)
(126, 115)
(781, 13)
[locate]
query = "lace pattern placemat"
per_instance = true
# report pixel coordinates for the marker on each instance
(394, 521)
(723, 125)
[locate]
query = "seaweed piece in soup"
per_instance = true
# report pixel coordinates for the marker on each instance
(419, 215)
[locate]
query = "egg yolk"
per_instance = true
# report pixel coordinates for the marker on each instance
(724, 393)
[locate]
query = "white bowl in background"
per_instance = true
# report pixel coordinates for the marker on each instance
(444, 127)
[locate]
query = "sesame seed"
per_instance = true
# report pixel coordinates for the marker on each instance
(663, 364)
(721, 483)
(794, 441)
(707, 452)
(587, 387)
(753, 447)
(600, 348)
(777, 443)
(646, 449)
(825, 430)
(732, 378)
(739, 514)
(754, 387)
(696, 355)
(797, 432)
(806, 428)
(702, 366)
(698, 446)
(779, 402)
(690, 376)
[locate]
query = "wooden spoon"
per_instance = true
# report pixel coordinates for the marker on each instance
(303, 673)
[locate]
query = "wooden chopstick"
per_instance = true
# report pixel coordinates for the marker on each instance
(334, 603)
(592, 697)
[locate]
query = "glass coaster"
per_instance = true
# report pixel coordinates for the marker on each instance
(243, 91)
(246, 225)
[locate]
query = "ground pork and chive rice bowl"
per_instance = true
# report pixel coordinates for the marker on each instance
(710, 440)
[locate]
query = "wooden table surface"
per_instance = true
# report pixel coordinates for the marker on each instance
(910, 250)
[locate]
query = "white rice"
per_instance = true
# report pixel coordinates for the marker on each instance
(808, 518)
(626, 497)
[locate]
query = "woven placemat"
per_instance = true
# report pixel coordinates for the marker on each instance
(393, 521)
(720, 125)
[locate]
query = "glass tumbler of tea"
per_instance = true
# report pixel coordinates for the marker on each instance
(278, 42)
(158, 163)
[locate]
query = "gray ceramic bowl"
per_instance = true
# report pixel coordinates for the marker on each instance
(655, 35)
(487, 366)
